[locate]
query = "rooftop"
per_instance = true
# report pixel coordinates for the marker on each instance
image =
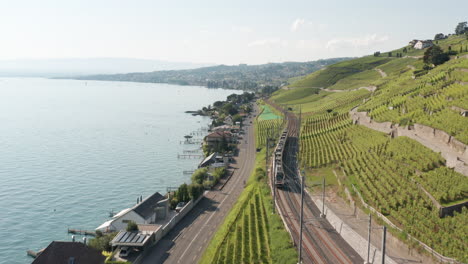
(132, 239)
(62, 252)
(146, 208)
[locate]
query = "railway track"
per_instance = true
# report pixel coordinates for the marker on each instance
(321, 243)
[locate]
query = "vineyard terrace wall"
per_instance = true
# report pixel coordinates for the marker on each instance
(454, 152)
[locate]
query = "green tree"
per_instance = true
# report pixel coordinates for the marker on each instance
(461, 28)
(439, 36)
(182, 193)
(390, 54)
(405, 50)
(102, 242)
(195, 190)
(435, 55)
(132, 226)
(199, 175)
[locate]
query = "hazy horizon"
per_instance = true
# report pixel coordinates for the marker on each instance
(216, 32)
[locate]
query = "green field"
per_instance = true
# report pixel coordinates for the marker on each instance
(251, 233)
(268, 113)
(334, 73)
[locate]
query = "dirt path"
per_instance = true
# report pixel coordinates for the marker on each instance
(411, 67)
(369, 88)
(382, 73)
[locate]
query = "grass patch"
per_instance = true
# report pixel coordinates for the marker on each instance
(362, 79)
(332, 74)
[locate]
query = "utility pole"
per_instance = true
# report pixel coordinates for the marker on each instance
(301, 220)
(322, 214)
(369, 239)
(384, 237)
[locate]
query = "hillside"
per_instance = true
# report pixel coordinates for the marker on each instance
(247, 77)
(397, 173)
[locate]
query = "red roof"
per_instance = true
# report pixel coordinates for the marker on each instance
(219, 134)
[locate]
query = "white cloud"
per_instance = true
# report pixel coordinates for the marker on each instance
(359, 42)
(300, 23)
(297, 24)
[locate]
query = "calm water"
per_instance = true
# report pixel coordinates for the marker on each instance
(71, 151)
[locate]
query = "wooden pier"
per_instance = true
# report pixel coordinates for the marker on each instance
(34, 254)
(81, 232)
(190, 156)
(192, 151)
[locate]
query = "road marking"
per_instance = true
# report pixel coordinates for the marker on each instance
(206, 222)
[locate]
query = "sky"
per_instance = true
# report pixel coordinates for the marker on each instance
(219, 31)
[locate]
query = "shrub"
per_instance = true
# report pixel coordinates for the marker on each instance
(132, 226)
(102, 243)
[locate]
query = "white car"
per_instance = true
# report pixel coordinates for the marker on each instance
(179, 206)
(124, 251)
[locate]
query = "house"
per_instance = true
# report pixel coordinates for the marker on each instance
(217, 137)
(422, 44)
(214, 160)
(221, 128)
(146, 211)
(413, 42)
(69, 253)
(228, 120)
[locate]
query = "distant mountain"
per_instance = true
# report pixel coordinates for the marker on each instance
(243, 76)
(86, 66)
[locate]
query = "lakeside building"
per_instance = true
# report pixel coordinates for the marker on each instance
(69, 252)
(214, 160)
(218, 137)
(147, 211)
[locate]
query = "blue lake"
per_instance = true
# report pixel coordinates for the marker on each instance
(72, 151)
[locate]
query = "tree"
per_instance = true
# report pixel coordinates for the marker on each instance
(461, 28)
(377, 54)
(195, 190)
(405, 50)
(390, 54)
(439, 36)
(182, 193)
(132, 226)
(102, 242)
(199, 175)
(435, 55)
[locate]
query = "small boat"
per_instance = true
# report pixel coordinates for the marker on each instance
(188, 136)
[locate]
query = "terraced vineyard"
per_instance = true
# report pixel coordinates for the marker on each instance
(386, 172)
(428, 100)
(248, 239)
(393, 175)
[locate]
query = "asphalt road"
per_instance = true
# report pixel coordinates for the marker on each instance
(189, 239)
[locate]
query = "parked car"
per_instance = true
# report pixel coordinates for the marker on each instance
(124, 251)
(179, 206)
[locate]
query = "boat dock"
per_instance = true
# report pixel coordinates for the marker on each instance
(190, 156)
(34, 254)
(81, 232)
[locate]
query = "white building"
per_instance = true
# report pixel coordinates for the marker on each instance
(147, 211)
(422, 44)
